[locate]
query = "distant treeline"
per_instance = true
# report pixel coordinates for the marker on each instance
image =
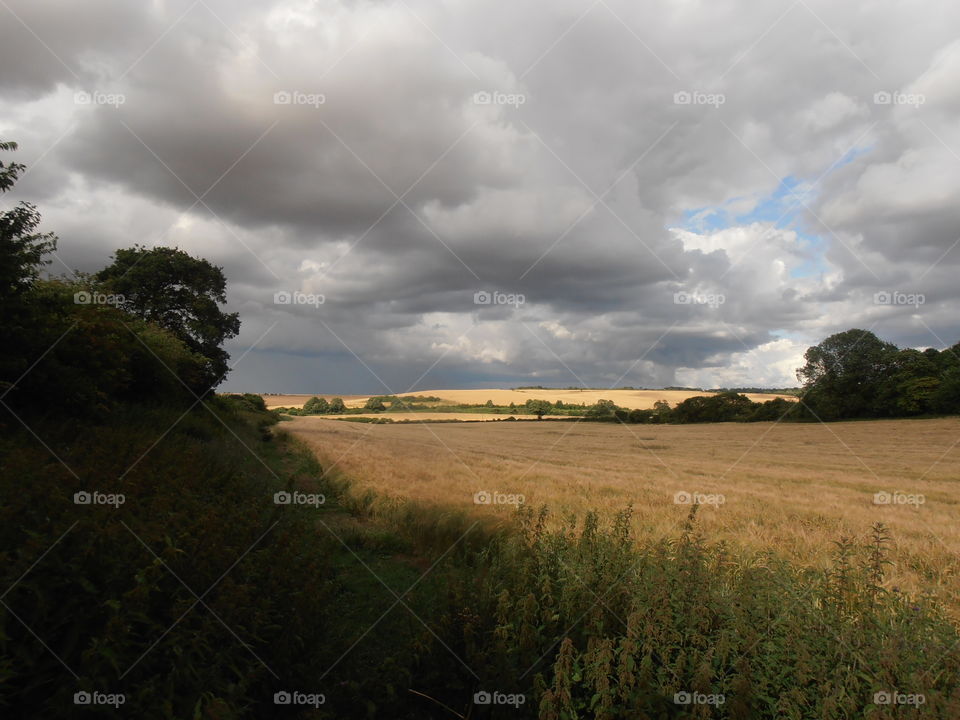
(850, 375)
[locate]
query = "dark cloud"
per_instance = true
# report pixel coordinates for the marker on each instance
(341, 149)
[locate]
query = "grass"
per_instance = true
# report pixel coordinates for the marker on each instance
(795, 489)
(407, 608)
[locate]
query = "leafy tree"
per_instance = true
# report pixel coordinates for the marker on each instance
(337, 406)
(602, 409)
(488, 403)
(661, 411)
(375, 404)
(316, 406)
(22, 252)
(538, 407)
(844, 376)
(178, 292)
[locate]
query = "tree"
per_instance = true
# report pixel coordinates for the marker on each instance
(488, 403)
(316, 406)
(538, 407)
(337, 406)
(662, 411)
(22, 252)
(178, 292)
(602, 409)
(375, 404)
(844, 375)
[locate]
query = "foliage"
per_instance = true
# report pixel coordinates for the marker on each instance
(180, 293)
(539, 407)
(316, 406)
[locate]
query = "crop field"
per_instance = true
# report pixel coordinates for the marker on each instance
(792, 489)
(631, 399)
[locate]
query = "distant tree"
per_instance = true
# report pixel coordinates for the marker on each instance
(178, 292)
(375, 404)
(316, 406)
(559, 405)
(538, 407)
(488, 403)
(337, 406)
(661, 411)
(845, 375)
(602, 409)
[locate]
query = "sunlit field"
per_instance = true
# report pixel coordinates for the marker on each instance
(631, 399)
(788, 488)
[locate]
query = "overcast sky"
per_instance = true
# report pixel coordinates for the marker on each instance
(487, 194)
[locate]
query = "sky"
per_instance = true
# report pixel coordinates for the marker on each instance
(427, 194)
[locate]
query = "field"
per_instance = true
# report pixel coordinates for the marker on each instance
(631, 399)
(790, 488)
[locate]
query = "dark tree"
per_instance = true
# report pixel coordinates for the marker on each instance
(375, 404)
(316, 406)
(178, 292)
(845, 375)
(22, 252)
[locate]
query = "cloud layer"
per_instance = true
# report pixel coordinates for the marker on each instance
(647, 193)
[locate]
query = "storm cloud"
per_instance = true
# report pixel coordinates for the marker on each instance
(494, 193)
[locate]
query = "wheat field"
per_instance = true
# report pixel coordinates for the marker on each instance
(793, 489)
(631, 399)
